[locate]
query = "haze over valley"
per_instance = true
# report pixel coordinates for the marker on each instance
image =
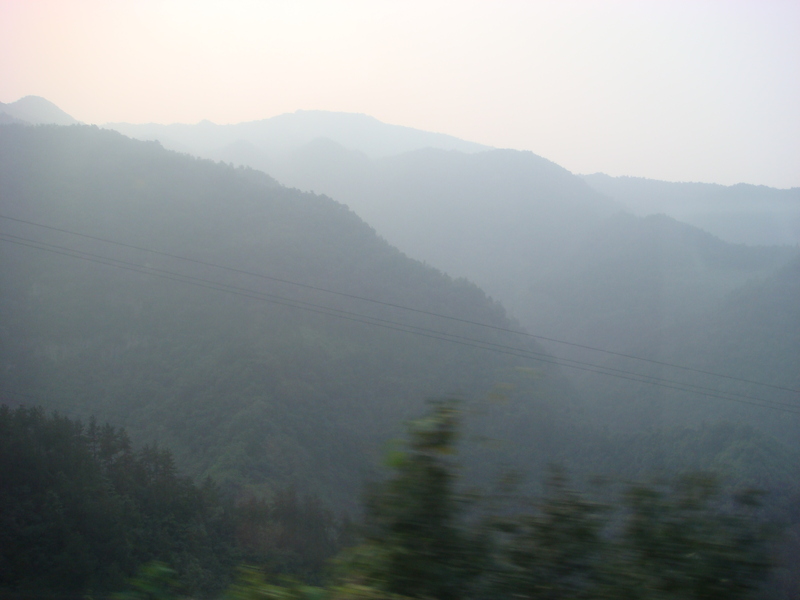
(310, 353)
(347, 334)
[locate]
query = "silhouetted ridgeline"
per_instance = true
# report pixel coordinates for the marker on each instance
(742, 213)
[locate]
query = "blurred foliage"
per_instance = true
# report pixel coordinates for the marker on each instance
(416, 543)
(683, 540)
(556, 551)
(290, 534)
(686, 539)
(81, 511)
(154, 581)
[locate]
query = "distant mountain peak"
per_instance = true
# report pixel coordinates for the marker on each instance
(287, 132)
(37, 110)
(359, 131)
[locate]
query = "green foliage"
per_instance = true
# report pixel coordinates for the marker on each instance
(417, 543)
(289, 534)
(684, 542)
(689, 539)
(251, 584)
(154, 581)
(556, 551)
(80, 510)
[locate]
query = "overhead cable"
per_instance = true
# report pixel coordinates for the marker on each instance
(402, 327)
(400, 306)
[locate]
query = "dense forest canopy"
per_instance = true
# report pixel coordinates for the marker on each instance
(82, 511)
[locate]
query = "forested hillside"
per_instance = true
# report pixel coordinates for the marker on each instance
(563, 259)
(254, 381)
(461, 195)
(572, 266)
(500, 218)
(633, 278)
(269, 338)
(751, 336)
(521, 227)
(82, 512)
(261, 382)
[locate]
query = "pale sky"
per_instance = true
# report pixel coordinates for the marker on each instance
(680, 91)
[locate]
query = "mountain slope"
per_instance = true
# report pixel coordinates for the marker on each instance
(496, 217)
(513, 222)
(36, 111)
(740, 214)
(253, 387)
(273, 137)
(558, 254)
(632, 278)
(751, 335)
(562, 258)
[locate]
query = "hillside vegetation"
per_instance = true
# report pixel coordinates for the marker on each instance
(270, 339)
(245, 383)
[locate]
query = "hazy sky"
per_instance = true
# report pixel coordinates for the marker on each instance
(682, 91)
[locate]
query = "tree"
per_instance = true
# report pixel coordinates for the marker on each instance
(682, 541)
(689, 541)
(555, 551)
(686, 540)
(417, 543)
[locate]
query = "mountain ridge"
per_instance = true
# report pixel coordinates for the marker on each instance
(36, 111)
(740, 213)
(292, 130)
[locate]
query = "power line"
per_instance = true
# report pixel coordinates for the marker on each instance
(400, 306)
(566, 362)
(401, 327)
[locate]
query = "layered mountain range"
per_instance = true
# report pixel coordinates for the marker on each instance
(553, 247)
(273, 317)
(267, 336)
